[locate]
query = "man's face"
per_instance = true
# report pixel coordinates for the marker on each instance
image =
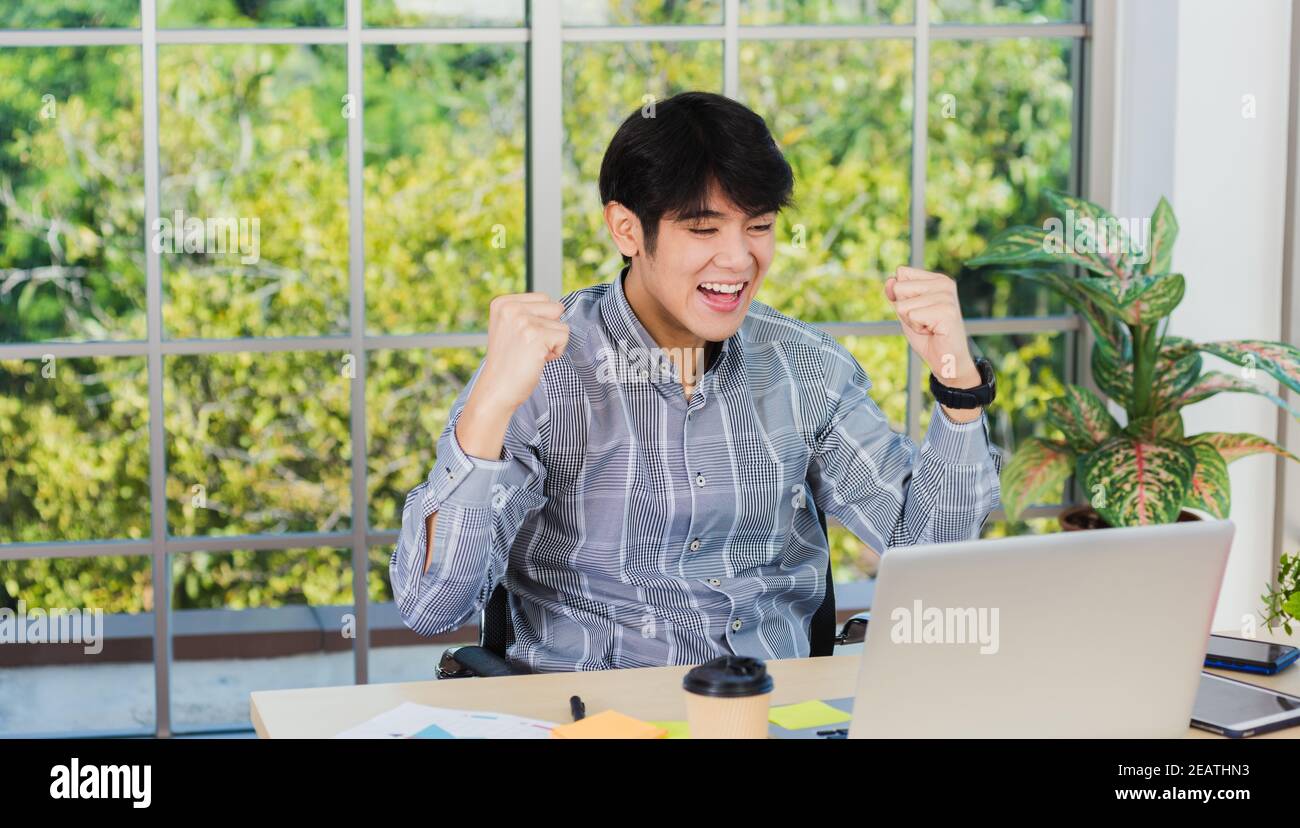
(707, 268)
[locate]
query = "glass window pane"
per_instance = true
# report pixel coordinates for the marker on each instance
(254, 219)
(843, 121)
(70, 14)
(640, 12)
(444, 13)
(408, 400)
(445, 184)
(1002, 11)
(603, 84)
(225, 14)
(71, 194)
(398, 653)
(258, 443)
(94, 620)
(256, 620)
(1000, 136)
(75, 458)
(884, 359)
(792, 12)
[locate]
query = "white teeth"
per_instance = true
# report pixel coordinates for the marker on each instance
(721, 288)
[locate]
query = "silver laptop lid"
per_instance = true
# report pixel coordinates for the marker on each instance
(1097, 633)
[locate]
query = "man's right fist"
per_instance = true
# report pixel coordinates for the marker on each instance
(524, 333)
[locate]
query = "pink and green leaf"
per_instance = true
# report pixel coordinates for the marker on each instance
(1023, 244)
(1235, 446)
(1035, 474)
(1134, 481)
(1276, 358)
(1082, 417)
(1166, 424)
(1211, 489)
(1104, 323)
(1174, 374)
(1112, 373)
(1152, 297)
(1101, 233)
(1214, 382)
(1160, 247)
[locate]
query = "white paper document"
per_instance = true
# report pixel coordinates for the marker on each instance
(419, 721)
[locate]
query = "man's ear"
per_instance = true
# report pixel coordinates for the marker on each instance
(624, 228)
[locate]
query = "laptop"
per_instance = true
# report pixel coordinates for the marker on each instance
(1099, 633)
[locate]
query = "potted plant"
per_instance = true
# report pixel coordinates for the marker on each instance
(1146, 469)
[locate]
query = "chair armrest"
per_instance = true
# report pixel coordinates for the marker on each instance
(854, 630)
(464, 662)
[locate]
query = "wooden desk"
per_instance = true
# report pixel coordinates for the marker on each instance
(648, 693)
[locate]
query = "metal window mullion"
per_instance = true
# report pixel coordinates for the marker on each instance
(920, 114)
(162, 643)
(357, 331)
(628, 34)
(545, 146)
(463, 35)
(22, 38)
(805, 32)
(958, 31)
(731, 49)
(1080, 57)
(253, 35)
(471, 339)
(43, 38)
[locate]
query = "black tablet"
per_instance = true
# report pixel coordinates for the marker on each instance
(1237, 709)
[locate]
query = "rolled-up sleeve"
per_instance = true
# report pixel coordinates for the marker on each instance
(881, 485)
(481, 505)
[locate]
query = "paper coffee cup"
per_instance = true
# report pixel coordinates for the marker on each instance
(728, 698)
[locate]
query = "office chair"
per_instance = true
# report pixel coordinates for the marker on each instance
(496, 633)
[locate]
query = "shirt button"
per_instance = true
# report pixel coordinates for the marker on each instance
(695, 545)
(699, 480)
(645, 374)
(714, 582)
(451, 474)
(736, 625)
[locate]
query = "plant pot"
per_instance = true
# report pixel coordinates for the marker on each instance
(1078, 518)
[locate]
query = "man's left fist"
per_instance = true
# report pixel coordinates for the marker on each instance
(927, 305)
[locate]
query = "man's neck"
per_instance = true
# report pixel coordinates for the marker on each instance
(663, 329)
(691, 354)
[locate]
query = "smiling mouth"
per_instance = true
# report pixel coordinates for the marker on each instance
(721, 296)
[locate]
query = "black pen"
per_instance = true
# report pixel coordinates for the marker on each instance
(579, 709)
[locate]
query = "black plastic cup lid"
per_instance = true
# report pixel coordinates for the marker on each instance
(729, 676)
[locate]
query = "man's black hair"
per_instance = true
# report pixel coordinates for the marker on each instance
(662, 166)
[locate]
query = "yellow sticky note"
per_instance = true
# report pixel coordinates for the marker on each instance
(676, 730)
(815, 713)
(608, 724)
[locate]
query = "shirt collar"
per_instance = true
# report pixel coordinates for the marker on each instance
(628, 335)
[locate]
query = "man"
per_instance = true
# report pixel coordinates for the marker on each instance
(642, 463)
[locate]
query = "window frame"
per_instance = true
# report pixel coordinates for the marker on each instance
(1092, 34)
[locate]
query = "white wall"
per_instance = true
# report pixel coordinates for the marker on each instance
(1225, 175)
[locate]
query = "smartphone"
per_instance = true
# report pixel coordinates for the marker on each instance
(1248, 655)
(1237, 709)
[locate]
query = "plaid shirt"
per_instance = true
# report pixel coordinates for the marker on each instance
(635, 528)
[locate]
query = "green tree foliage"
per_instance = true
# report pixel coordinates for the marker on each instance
(260, 442)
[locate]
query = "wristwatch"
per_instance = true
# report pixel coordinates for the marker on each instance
(980, 395)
